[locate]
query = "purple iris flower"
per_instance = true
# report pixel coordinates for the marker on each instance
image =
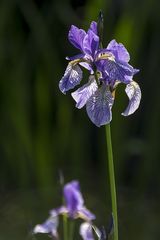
(74, 208)
(108, 67)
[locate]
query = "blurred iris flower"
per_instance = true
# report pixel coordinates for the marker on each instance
(107, 66)
(74, 208)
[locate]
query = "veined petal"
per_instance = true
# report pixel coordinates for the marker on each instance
(93, 27)
(99, 106)
(49, 226)
(71, 78)
(76, 37)
(133, 92)
(90, 43)
(86, 231)
(120, 71)
(73, 197)
(82, 94)
(119, 51)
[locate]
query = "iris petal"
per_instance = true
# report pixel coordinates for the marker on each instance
(93, 27)
(86, 231)
(73, 197)
(90, 43)
(119, 51)
(76, 37)
(82, 94)
(71, 78)
(133, 92)
(99, 106)
(85, 214)
(49, 226)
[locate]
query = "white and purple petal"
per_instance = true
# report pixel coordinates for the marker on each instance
(49, 226)
(99, 106)
(71, 78)
(82, 94)
(90, 43)
(76, 37)
(85, 214)
(119, 51)
(87, 66)
(133, 92)
(86, 231)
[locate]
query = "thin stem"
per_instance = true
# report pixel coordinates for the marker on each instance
(112, 181)
(65, 227)
(71, 230)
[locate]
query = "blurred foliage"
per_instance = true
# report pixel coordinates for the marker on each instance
(42, 132)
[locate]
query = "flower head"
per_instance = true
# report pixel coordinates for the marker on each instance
(107, 67)
(74, 208)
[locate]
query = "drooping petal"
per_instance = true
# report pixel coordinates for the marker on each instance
(93, 27)
(49, 226)
(119, 51)
(82, 94)
(86, 231)
(76, 37)
(90, 43)
(99, 106)
(73, 197)
(120, 71)
(71, 78)
(87, 66)
(85, 214)
(58, 211)
(133, 92)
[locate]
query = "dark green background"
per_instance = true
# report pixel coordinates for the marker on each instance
(42, 133)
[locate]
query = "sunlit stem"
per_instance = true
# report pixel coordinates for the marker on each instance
(112, 181)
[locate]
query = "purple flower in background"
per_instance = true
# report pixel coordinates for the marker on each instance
(108, 67)
(74, 208)
(74, 203)
(86, 231)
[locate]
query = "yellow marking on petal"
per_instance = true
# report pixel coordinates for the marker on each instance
(103, 56)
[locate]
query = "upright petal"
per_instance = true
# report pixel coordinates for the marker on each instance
(83, 93)
(133, 92)
(99, 106)
(76, 37)
(73, 197)
(71, 78)
(93, 27)
(86, 231)
(49, 226)
(119, 51)
(90, 43)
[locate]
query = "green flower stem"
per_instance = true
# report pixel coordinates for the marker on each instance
(71, 230)
(65, 227)
(112, 181)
